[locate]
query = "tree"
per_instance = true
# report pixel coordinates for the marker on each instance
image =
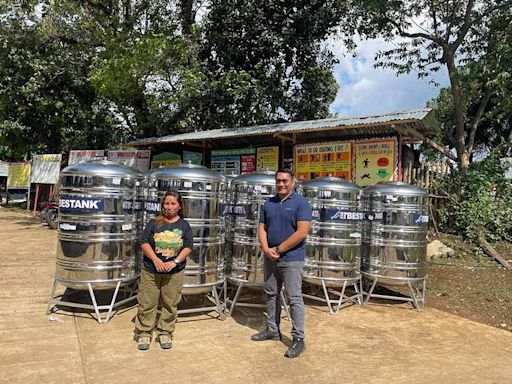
(266, 62)
(450, 33)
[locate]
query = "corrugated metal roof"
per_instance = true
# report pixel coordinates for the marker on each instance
(414, 116)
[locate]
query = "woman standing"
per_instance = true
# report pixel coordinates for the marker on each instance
(166, 242)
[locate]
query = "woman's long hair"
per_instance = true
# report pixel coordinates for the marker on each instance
(160, 219)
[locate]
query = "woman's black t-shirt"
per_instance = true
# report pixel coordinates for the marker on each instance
(167, 241)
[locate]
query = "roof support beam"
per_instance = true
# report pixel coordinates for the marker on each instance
(411, 132)
(283, 137)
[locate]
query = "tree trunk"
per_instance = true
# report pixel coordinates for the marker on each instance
(459, 139)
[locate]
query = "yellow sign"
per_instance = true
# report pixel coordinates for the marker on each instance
(323, 159)
(267, 159)
(165, 163)
(376, 161)
(19, 176)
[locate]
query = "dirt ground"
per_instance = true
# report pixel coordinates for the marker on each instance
(472, 285)
(379, 343)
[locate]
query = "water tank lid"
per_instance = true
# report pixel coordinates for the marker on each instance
(255, 178)
(395, 187)
(330, 183)
(186, 171)
(101, 168)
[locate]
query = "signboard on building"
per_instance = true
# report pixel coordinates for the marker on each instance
(323, 159)
(227, 165)
(132, 158)
(83, 155)
(376, 161)
(45, 169)
(232, 161)
(18, 176)
(247, 164)
(166, 160)
(267, 159)
(194, 157)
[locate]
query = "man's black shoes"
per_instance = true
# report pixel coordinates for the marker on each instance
(266, 335)
(296, 348)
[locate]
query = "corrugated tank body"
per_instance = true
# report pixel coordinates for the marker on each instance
(333, 245)
(248, 193)
(395, 233)
(201, 190)
(99, 223)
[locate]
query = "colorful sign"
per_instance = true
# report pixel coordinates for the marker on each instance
(132, 158)
(247, 163)
(165, 160)
(81, 156)
(323, 159)
(19, 176)
(267, 159)
(194, 157)
(376, 161)
(45, 169)
(227, 165)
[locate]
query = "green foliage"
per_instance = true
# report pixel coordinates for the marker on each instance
(473, 209)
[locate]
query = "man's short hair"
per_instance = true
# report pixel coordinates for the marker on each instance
(285, 171)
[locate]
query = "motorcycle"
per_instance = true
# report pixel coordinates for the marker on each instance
(50, 213)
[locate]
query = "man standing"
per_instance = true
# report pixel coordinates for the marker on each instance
(284, 224)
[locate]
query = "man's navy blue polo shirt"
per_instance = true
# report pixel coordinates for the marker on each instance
(281, 219)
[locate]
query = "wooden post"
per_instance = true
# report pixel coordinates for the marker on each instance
(35, 198)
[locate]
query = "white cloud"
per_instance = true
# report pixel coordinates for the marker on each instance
(365, 90)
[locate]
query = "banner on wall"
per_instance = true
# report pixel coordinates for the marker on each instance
(195, 158)
(267, 159)
(166, 160)
(45, 169)
(19, 176)
(81, 156)
(139, 159)
(323, 159)
(376, 161)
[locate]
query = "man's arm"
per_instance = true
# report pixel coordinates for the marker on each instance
(262, 237)
(300, 234)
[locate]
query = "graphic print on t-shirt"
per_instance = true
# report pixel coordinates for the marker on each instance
(168, 243)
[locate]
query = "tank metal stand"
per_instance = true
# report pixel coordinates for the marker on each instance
(129, 291)
(417, 291)
(214, 297)
(234, 302)
(343, 298)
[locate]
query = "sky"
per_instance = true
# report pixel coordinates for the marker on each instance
(365, 90)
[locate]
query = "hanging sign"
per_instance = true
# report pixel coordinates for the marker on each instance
(19, 176)
(323, 159)
(81, 156)
(267, 159)
(376, 161)
(138, 159)
(45, 169)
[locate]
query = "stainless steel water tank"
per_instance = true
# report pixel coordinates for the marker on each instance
(248, 192)
(201, 189)
(333, 245)
(98, 224)
(395, 233)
